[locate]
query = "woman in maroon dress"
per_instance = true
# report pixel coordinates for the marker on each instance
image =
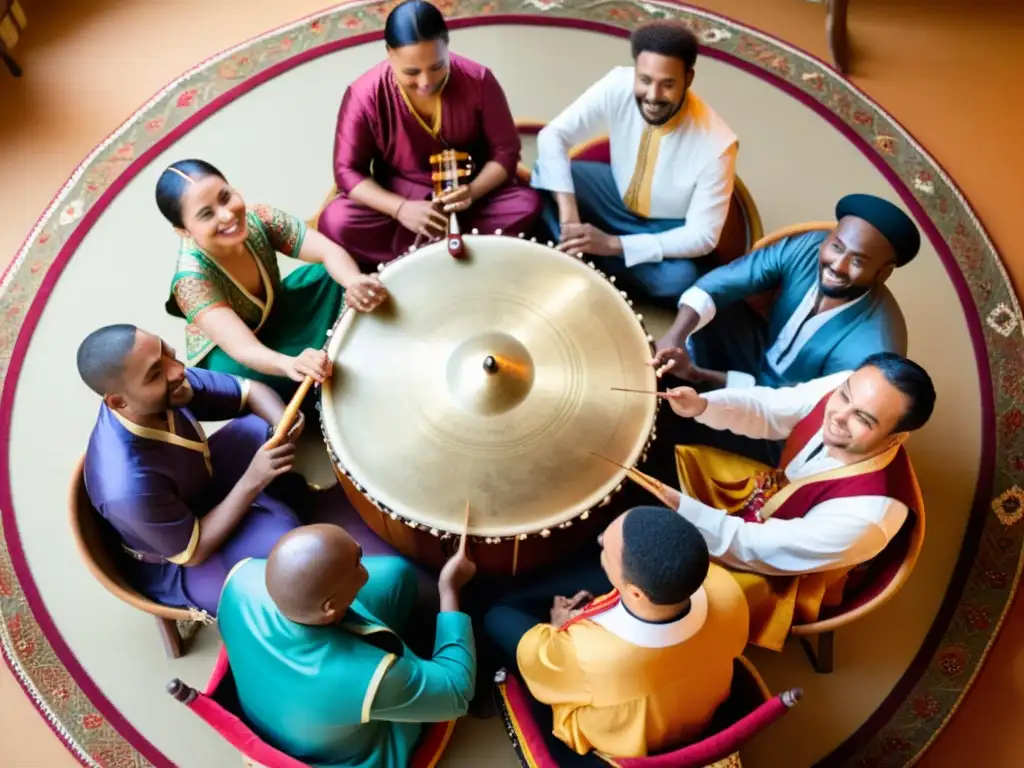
(422, 100)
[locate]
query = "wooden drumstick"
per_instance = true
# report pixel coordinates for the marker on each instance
(290, 413)
(651, 485)
(465, 531)
(640, 391)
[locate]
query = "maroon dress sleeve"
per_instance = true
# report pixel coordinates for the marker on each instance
(354, 142)
(499, 125)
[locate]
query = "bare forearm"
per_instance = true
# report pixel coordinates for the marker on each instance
(265, 402)
(491, 176)
(217, 524)
(336, 260)
(258, 357)
(371, 194)
(686, 321)
(568, 210)
(449, 600)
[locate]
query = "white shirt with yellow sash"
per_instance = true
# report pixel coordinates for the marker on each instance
(684, 169)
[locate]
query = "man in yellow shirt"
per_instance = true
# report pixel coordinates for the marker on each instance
(641, 669)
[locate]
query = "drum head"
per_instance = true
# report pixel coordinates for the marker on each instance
(488, 379)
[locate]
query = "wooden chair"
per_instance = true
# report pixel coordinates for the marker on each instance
(868, 588)
(218, 706)
(742, 224)
(99, 547)
(13, 23)
(749, 709)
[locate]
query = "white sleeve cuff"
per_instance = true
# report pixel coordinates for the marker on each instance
(553, 169)
(699, 301)
(739, 380)
(641, 249)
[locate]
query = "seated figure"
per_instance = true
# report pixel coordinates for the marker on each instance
(832, 310)
(243, 318)
(650, 216)
(313, 639)
(642, 668)
(842, 491)
(186, 509)
(422, 100)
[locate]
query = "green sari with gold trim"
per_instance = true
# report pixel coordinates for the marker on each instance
(295, 314)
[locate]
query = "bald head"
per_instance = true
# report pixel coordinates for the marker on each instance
(101, 356)
(314, 574)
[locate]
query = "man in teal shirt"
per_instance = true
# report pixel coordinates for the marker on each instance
(829, 312)
(313, 638)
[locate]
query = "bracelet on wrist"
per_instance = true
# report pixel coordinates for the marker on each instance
(398, 209)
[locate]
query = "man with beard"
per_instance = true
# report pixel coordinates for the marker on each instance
(186, 509)
(794, 533)
(660, 206)
(830, 311)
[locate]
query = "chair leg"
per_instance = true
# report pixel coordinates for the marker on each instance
(822, 659)
(171, 637)
(7, 59)
(838, 40)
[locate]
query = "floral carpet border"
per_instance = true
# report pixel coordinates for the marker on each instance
(987, 574)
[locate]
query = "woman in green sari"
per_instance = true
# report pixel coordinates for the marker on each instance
(242, 317)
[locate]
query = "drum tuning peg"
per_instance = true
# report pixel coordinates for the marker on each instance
(643, 458)
(500, 676)
(329, 332)
(497, 232)
(434, 532)
(586, 514)
(611, 279)
(629, 302)
(639, 317)
(650, 338)
(523, 536)
(394, 515)
(592, 265)
(622, 294)
(545, 533)
(475, 231)
(533, 239)
(618, 487)
(522, 235)
(380, 267)
(551, 243)
(411, 524)
(566, 524)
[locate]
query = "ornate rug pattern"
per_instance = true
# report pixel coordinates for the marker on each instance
(988, 571)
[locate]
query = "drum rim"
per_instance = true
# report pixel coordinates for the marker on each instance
(621, 474)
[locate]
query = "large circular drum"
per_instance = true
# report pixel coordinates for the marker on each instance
(488, 380)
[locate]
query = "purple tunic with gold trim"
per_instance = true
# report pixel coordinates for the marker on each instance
(153, 487)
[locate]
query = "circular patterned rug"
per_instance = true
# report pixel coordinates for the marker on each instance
(988, 569)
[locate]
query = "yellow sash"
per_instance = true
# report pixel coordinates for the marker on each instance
(726, 481)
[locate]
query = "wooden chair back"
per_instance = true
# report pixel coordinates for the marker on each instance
(97, 545)
(884, 576)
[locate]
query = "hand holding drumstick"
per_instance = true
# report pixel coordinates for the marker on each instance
(456, 572)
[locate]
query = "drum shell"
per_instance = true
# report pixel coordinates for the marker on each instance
(505, 557)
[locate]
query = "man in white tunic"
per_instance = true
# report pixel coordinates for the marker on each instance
(661, 204)
(843, 489)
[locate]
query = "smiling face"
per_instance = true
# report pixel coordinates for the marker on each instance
(213, 214)
(659, 85)
(152, 380)
(420, 68)
(862, 415)
(853, 259)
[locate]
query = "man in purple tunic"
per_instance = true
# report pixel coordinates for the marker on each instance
(186, 509)
(420, 101)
